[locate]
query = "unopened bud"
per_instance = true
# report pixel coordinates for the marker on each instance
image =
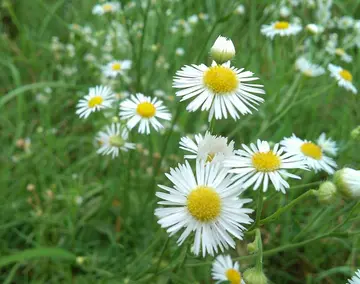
(253, 276)
(223, 50)
(355, 134)
(252, 247)
(347, 181)
(326, 192)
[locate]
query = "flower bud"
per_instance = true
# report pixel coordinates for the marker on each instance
(347, 181)
(326, 192)
(355, 134)
(314, 29)
(223, 50)
(252, 247)
(253, 276)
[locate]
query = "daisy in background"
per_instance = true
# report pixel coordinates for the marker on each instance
(222, 89)
(99, 97)
(343, 77)
(327, 145)
(314, 29)
(333, 50)
(113, 139)
(205, 202)
(106, 8)
(260, 164)
(224, 269)
(307, 68)
(355, 279)
(281, 28)
(312, 153)
(115, 68)
(144, 111)
(209, 148)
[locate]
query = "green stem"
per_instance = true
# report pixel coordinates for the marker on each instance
(259, 260)
(259, 206)
(161, 255)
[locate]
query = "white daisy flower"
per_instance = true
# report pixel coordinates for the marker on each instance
(98, 98)
(105, 8)
(206, 203)
(209, 148)
(113, 139)
(345, 22)
(347, 180)
(343, 77)
(343, 55)
(327, 144)
(312, 153)
(224, 269)
(222, 89)
(307, 68)
(285, 11)
(222, 50)
(115, 68)
(281, 28)
(314, 29)
(355, 279)
(260, 164)
(144, 111)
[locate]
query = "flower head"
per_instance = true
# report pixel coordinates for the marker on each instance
(355, 279)
(205, 202)
(99, 97)
(115, 68)
(222, 89)
(347, 181)
(144, 111)
(222, 50)
(281, 28)
(106, 8)
(343, 77)
(307, 68)
(223, 269)
(260, 164)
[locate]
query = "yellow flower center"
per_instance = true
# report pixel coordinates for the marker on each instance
(346, 75)
(116, 141)
(204, 204)
(311, 150)
(95, 101)
(107, 7)
(282, 25)
(340, 51)
(116, 66)
(220, 79)
(308, 73)
(233, 276)
(210, 157)
(146, 109)
(266, 162)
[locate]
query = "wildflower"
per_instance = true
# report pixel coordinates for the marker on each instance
(206, 203)
(253, 276)
(179, 51)
(345, 22)
(281, 28)
(327, 144)
(106, 8)
(116, 67)
(312, 153)
(222, 89)
(113, 139)
(144, 111)
(193, 19)
(307, 68)
(209, 148)
(355, 279)
(314, 29)
(347, 181)
(240, 9)
(222, 50)
(326, 192)
(343, 55)
(224, 269)
(284, 12)
(343, 77)
(261, 164)
(99, 97)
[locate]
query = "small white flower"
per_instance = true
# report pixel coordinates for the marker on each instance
(205, 203)
(281, 28)
(327, 145)
(222, 50)
(347, 181)
(345, 22)
(113, 139)
(285, 11)
(179, 51)
(98, 98)
(343, 77)
(343, 55)
(105, 8)
(144, 111)
(209, 148)
(260, 164)
(312, 154)
(307, 68)
(240, 10)
(193, 19)
(355, 279)
(223, 269)
(314, 29)
(116, 68)
(222, 89)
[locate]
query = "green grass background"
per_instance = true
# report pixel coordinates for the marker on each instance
(114, 228)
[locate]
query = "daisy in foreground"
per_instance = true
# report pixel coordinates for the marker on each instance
(261, 164)
(115, 68)
(222, 89)
(206, 203)
(281, 28)
(99, 97)
(223, 269)
(343, 77)
(312, 153)
(107, 7)
(209, 148)
(113, 139)
(355, 279)
(307, 68)
(144, 111)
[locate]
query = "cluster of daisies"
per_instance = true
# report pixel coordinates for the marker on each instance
(321, 32)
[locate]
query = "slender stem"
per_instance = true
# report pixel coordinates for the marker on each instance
(259, 260)
(212, 125)
(162, 254)
(259, 206)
